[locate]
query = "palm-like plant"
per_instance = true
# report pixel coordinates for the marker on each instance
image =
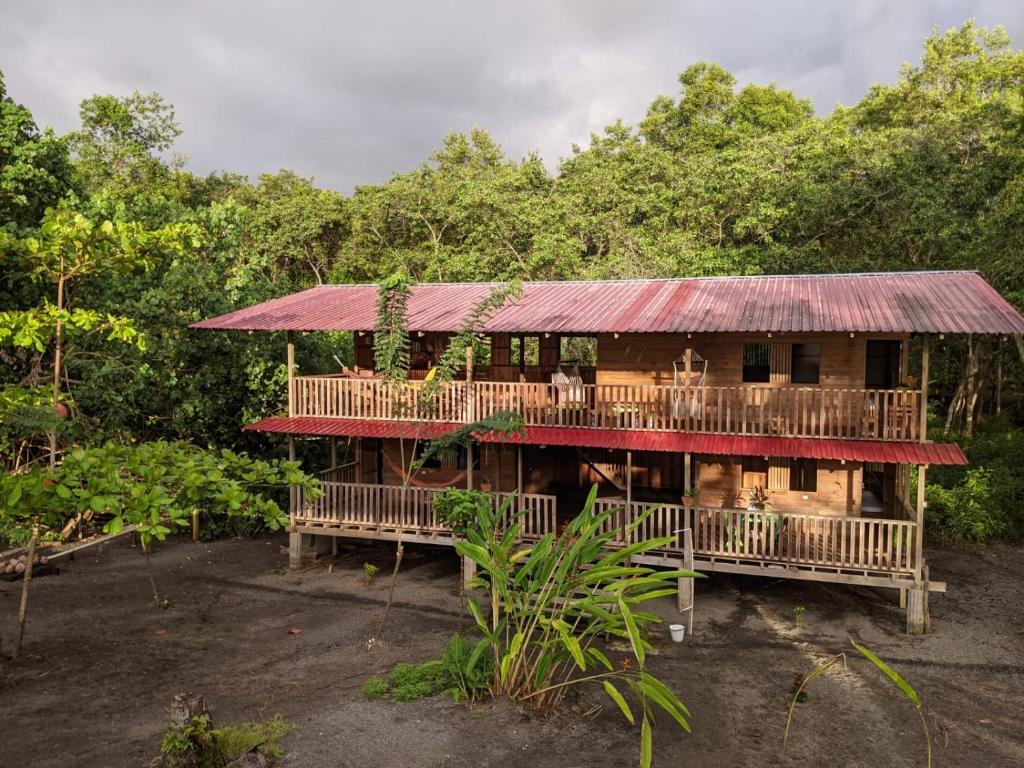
(553, 606)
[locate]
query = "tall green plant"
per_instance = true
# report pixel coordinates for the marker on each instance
(553, 604)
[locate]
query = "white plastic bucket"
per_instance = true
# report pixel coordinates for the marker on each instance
(678, 632)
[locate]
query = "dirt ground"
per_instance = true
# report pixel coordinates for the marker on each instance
(101, 665)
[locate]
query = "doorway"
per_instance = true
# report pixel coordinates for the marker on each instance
(882, 366)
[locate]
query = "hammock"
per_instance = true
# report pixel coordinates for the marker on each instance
(570, 386)
(412, 480)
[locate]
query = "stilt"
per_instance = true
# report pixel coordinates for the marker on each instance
(685, 595)
(903, 597)
(468, 572)
(334, 546)
(294, 550)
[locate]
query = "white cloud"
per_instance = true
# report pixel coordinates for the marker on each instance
(352, 93)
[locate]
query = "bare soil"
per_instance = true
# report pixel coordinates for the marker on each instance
(101, 664)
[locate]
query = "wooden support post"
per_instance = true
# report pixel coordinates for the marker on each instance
(294, 550)
(519, 474)
(629, 482)
(685, 590)
(999, 376)
(334, 546)
(334, 452)
(918, 618)
(468, 572)
(291, 373)
(919, 540)
(195, 525)
(294, 538)
(687, 471)
(469, 465)
(925, 355)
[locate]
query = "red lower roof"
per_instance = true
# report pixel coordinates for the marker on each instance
(637, 440)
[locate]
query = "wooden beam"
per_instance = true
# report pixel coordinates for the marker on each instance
(519, 472)
(919, 542)
(925, 355)
(687, 469)
(291, 372)
(629, 480)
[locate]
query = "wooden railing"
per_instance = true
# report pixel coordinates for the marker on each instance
(785, 411)
(853, 543)
(344, 473)
(870, 545)
(410, 508)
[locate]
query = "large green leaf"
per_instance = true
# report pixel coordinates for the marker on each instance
(613, 692)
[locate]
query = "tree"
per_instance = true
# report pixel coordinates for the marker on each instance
(71, 248)
(35, 166)
(119, 145)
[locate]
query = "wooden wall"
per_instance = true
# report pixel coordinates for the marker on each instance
(635, 358)
(719, 484)
(496, 465)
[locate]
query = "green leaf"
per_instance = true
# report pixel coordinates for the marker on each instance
(14, 496)
(63, 491)
(617, 697)
(631, 629)
(889, 672)
(645, 743)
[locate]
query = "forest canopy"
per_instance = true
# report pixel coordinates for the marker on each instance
(926, 172)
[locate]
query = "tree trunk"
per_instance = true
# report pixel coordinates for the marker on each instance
(58, 350)
(23, 608)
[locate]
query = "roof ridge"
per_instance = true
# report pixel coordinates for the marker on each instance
(627, 280)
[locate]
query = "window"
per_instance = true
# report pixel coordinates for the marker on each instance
(581, 350)
(803, 475)
(806, 367)
(755, 472)
(756, 363)
(526, 351)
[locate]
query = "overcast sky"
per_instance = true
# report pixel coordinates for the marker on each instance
(349, 93)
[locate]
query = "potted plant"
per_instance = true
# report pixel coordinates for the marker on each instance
(690, 498)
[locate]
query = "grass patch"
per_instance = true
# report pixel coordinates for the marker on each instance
(408, 682)
(216, 747)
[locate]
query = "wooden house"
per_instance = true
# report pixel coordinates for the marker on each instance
(772, 421)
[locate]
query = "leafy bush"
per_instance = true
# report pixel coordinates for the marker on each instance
(461, 509)
(551, 605)
(985, 501)
(468, 667)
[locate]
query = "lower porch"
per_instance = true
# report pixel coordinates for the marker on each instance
(783, 544)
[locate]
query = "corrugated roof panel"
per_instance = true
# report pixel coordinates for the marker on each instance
(637, 440)
(901, 302)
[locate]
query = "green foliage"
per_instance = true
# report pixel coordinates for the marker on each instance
(468, 666)
(153, 486)
(369, 572)
(461, 509)
(798, 692)
(408, 682)
(462, 672)
(985, 501)
(35, 167)
(552, 603)
(391, 334)
(216, 747)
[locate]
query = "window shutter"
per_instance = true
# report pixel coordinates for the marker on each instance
(781, 363)
(778, 474)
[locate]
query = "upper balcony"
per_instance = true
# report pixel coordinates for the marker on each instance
(758, 410)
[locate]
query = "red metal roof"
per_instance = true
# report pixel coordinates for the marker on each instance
(637, 440)
(899, 302)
